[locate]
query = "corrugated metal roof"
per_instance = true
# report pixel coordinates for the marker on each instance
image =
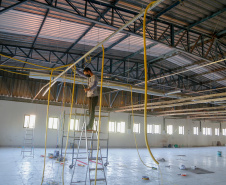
(213, 76)
(20, 23)
(178, 60)
(198, 70)
(158, 50)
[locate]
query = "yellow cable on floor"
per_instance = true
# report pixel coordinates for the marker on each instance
(146, 85)
(98, 143)
(47, 122)
(72, 101)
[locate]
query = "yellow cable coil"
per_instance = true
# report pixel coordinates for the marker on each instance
(98, 143)
(146, 85)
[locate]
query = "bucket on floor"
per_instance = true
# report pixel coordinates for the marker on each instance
(219, 153)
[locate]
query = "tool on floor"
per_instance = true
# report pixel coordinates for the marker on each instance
(145, 177)
(90, 138)
(28, 143)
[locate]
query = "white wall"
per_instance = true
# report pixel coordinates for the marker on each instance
(12, 131)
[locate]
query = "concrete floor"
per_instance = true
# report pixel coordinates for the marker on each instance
(124, 167)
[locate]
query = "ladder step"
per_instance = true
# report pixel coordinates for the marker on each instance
(100, 179)
(94, 158)
(80, 158)
(91, 169)
(77, 182)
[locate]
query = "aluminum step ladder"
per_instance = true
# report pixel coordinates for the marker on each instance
(88, 159)
(28, 143)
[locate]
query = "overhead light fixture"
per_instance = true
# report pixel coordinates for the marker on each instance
(173, 92)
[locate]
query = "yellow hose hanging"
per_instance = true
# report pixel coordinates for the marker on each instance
(72, 101)
(134, 132)
(98, 143)
(146, 84)
(47, 122)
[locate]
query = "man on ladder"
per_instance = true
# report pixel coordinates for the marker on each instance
(92, 94)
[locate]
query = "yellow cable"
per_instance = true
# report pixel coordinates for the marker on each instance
(14, 72)
(16, 67)
(146, 85)
(47, 68)
(134, 132)
(47, 122)
(25, 62)
(72, 101)
(98, 143)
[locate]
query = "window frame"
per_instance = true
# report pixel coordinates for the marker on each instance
(74, 125)
(197, 130)
(120, 130)
(167, 130)
(159, 129)
(218, 131)
(24, 126)
(114, 126)
(150, 129)
(53, 123)
(138, 128)
(182, 127)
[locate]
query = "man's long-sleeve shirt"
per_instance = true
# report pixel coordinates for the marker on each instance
(92, 84)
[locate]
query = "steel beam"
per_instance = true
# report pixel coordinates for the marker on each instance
(39, 30)
(12, 6)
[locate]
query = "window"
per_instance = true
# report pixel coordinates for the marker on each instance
(95, 125)
(150, 129)
(181, 130)
(157, 129)
(196, 130)
(207, 131)
(224, 131)
(74, 124)
(121, 127)
(29, 121)
(136, 127)
(170, 129)
(217, 131)
(112, 127)
(53, 123)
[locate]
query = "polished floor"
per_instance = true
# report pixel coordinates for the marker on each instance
(124, 167)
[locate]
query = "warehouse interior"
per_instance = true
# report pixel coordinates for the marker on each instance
(160, 117)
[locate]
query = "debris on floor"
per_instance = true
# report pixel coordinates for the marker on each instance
(145, 177)
(219, 153)
(182, 174)
(182, 167)
(161, 160)
(81, 165)
(193, 167)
